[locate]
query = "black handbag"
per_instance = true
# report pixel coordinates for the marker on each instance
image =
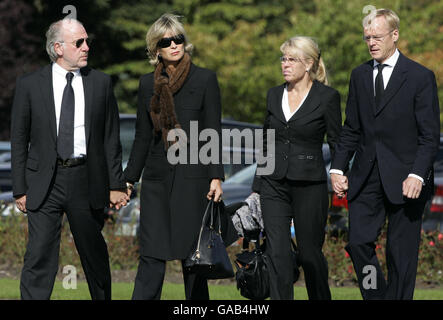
(252, 274)
(210, 258)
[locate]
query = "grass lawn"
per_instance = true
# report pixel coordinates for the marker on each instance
(9, 289)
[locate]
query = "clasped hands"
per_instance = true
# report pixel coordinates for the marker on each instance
(411, 186)
(119, 198)
(339, 184)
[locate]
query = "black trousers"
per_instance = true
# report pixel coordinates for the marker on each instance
(68, 193)
(150, 276)
(305, 202)
(367, 215)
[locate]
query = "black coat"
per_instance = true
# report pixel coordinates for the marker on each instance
(173, 197)
(34, 123)
(298, 142)
(403, 134)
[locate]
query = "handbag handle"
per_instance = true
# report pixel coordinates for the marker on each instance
(294, 246)
(210, 205)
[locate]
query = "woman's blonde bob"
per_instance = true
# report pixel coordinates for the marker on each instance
(166, 23)
(307, 49)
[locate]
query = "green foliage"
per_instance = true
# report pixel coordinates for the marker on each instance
(240, 40)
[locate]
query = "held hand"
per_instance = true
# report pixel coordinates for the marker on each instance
(412, 188)
(339, 184)
(118, 199)
(20, 202)
(215, 190)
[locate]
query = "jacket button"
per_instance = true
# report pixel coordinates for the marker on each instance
(287, 141)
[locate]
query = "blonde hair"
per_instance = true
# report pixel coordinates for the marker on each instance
(306, 48)
(166, 23)
(391, 18)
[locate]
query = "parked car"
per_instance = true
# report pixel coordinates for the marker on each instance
(433, 213)
(7, 204)
(238, 187)
(5, 166)
(128, 216)
(5, 151)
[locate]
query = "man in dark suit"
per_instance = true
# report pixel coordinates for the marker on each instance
(66, 157)
(392, 126)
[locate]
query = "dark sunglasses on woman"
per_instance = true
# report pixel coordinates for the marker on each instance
(166, 42)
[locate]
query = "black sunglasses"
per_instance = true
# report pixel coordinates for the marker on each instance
(166, 42)
(79, 42)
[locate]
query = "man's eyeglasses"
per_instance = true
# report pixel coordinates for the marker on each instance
(376, 38)
(290, 60)
(79, 42)
(166, 42)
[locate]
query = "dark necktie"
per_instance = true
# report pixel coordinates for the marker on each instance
(65, 139)
(379, 85)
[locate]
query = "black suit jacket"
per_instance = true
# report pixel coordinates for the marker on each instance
(402, 134)
(298, 142)
(173, 197)
(34, 136)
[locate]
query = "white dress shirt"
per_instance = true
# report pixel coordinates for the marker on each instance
(386, 73)
(285, 104)
(59, 83)
(387, 70)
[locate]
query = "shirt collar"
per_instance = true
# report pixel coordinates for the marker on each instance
(391, 61)
(62, 72)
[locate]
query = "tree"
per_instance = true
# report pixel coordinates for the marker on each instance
(18, 48)
(238, 39)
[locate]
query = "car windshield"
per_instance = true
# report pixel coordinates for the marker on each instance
(245, 176)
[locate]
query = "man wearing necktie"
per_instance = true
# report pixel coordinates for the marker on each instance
(66, 157)
(392, 130)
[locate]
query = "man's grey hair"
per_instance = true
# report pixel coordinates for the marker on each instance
(391, 18)
(55, 34)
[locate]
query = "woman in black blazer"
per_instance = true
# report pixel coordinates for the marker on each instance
(173, 196)
(301, 111)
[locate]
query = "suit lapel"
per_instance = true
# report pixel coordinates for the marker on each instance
(275, 106)
(311, 103)
(47, 91)
(88, 88)
(397, 79)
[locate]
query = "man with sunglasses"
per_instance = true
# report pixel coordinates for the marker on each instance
(392, 127)
(66, 157)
